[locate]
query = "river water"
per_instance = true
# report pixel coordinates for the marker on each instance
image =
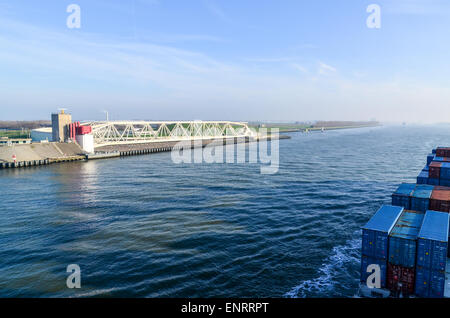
(144, 226)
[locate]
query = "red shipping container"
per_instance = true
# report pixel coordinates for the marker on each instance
(435, 170)
(401, 279)
(443, 152)
(440, 199)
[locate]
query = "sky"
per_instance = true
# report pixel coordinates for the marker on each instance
(286, 60)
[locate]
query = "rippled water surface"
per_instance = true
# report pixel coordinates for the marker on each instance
(145, 227)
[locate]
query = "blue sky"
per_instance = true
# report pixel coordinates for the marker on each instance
(213, 59)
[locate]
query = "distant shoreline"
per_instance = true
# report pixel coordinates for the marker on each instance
(288, 129)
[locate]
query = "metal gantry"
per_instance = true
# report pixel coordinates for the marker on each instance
(126, 132)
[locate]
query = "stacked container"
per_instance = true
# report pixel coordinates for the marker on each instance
(402, 252)
(439, 172)
(422, 178)
(402, 196)
(430, 158)
(410, 239)
(447, 280)
(375, 236)
(443, 152)
(445, 174)
(434, 172)
(420, 199)
(441, 159)
(440, 199)
(432, 255)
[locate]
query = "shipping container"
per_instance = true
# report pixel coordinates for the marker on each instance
(429, 283)
(435, 170)
(408, 240)
(441, 159)
(403, 239)
(402, 196)
(445, 171)
(400, 279)
(422, 178)
(440, 199)
(447, 281)
(433, 151)
(443, 152)
(432, 244)
(420, 198)
(437, 284)
(366, 261)
(375, 233)
(422, 282)
(433, 181)
(430, 158)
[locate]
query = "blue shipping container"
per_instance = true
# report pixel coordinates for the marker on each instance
(420, 199)
(433, 151)
(447, 281)
(444, 182)
(422, 178)
(402, 196)
(430, 158)
(366, 262)
(433, 181)
(375, 233)
(429, 283)
(403, 239)
(437, 284)
(432, 244)
(426, 168)
(445, 171)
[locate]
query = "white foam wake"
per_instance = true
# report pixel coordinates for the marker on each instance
(342, 258)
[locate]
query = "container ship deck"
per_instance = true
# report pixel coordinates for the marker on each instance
(405, 248)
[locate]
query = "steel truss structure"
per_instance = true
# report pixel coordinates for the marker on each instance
(126, 132)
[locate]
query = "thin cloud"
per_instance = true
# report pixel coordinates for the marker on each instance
(300, 68)
(325, 69)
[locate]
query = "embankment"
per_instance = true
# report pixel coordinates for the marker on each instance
(54, 151)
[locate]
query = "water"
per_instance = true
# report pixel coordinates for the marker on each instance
(145, 227)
